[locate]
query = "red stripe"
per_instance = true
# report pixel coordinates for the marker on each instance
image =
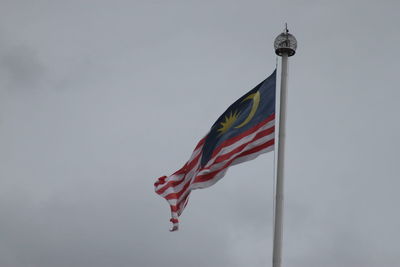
(176, 195)
(173, 220)
(179, 208)
(200, 143)
(193, 163)
(221, 158)
(180, 171)
(226, 156)
(182, 204)
(160, 180)
(257, 148)
(170, 184)
(244, 134)
(190, 165)
(209, 176)
(187, 168)
(174, 208)
(239, 148)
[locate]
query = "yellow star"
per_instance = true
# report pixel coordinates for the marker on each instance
(229, 121)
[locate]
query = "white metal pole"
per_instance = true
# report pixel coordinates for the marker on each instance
(278, 218)
(285, 46)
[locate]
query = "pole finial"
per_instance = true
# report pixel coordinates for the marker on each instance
(285, 43)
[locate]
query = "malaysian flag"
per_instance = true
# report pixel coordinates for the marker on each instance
(244, 131)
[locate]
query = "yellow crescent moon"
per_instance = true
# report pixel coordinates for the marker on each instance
(256, 102)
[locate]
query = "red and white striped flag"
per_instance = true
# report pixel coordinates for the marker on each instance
(244, 131)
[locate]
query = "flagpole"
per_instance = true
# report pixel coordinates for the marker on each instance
(285, 46)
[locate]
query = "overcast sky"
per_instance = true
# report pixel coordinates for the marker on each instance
(100, 98)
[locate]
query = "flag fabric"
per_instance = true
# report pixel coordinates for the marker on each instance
(244, 131)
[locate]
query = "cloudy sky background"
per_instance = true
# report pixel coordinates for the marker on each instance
(99, 98)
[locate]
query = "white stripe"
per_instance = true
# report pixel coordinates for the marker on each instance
(175, 201)
(247, 147)
(218, 176)
(245, 139)
(189, 176)
(252, 156)
(193, 172)
(174, 177)
(178, 177)
(221, 174)
(172, 202)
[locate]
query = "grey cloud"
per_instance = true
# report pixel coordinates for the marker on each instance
(20, 67)
(126, 90)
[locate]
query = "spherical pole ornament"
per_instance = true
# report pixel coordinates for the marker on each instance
(285, 43)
